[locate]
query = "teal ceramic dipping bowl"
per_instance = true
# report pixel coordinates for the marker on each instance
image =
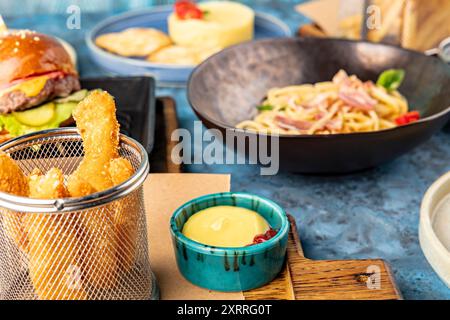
(230, 269)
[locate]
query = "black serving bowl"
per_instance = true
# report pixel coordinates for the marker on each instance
(225, 89)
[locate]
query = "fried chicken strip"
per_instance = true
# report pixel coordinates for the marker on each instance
(120, 170)
(49, 186)
(96, 120)
(126, 215)
(13, 181)
(78, 187)
(54, 249)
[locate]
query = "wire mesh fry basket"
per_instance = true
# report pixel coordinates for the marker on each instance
(94, 247)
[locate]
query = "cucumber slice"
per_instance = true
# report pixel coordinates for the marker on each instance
(37, 116)
(74, 97)
(64, 111)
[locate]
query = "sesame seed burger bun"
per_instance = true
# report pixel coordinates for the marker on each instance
(26, 53)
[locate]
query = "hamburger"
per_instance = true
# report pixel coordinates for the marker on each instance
(39, 85)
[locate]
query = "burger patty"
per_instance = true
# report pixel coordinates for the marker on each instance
(56, 87)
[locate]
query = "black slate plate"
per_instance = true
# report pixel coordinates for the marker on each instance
(135, 102)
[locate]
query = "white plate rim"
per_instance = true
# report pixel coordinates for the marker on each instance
(434, 250)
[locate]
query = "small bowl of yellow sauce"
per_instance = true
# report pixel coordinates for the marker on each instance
(230, 241)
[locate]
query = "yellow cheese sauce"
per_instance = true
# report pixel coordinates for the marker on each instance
(225, 226)
(224, 24)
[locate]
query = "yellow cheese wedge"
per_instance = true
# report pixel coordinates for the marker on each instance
(225, 226)
(224, 24)
(31, 87)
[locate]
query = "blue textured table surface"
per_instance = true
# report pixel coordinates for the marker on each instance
(372, 214)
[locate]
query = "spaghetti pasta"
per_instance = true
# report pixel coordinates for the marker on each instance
(343, 105)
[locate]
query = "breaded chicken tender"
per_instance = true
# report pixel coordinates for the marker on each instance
(126, 214)
(54, 249)
(13, 181)
(120, 170)
(126, 221)
(96, 120)
(50, 186)
(79, 187)
(98, 237)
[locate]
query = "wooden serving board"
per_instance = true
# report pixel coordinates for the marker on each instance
(302, 278)
(305, 279)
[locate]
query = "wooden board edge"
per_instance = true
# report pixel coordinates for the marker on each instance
(295, 241)
(390, 274)
(282, 287)
(171, 124)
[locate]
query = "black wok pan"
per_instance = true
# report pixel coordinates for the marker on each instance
(225, 89)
